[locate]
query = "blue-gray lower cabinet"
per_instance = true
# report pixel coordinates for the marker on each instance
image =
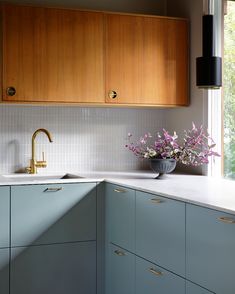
(151, 279)
(160, 231)
(120, 271)
(195, 289)
(4, 271)
(4, 216)
(61, 269)
(45, 214)
(210, 247)
(120, 216)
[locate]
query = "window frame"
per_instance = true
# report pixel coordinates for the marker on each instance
(214, 98)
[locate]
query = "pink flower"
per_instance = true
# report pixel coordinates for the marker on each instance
(195, 150)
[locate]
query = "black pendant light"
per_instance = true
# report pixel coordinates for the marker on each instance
(209, 66)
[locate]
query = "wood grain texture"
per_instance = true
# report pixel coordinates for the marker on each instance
(53, 55)
(146, 60)
(57, 56)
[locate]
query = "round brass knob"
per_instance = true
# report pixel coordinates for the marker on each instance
(112, 94)
(11, 91)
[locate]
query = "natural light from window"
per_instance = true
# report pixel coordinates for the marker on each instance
(229, 91)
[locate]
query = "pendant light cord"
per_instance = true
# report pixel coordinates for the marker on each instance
(209, 6)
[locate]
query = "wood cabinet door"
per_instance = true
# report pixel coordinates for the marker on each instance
(120, 216)
(47, 214)
(52, 55)
(120, 271)
(151, 279)
(210, 243)
(4, 271)
(146, 60)
(4, 216)
(160, 231)
(58, 268)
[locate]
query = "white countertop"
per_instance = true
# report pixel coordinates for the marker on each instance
(209, 192)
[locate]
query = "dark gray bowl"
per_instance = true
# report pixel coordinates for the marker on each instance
(162, 166)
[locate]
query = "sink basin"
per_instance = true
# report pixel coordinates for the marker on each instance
(29, 177)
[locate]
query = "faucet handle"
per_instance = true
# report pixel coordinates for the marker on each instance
(28, 169)
(42, 163)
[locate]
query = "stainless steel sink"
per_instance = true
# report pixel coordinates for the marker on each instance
(37, 177)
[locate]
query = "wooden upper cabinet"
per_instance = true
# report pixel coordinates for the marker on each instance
(70, 56)
(146, 60)
(52, 55)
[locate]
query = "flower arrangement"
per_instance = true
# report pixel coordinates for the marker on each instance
(195, 150)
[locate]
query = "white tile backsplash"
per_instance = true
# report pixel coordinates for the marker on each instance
(84, 139)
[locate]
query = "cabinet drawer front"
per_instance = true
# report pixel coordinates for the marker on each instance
(120, 271)
(120, 216)
(195, 289)
(160, 231)
(60, 268)
(4, 216)
(151, 279)
(210, 246)
(4, 271)
(44, 214)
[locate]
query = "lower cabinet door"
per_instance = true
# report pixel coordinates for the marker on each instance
(4, 271)
(151, 279)
(194, 289)
(160, 231)
(60, 269)
(210, 247)
(120, 271)
(120, 216)
(4, 216)
(54, 213)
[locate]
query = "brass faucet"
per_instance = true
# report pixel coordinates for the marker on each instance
(34, 164)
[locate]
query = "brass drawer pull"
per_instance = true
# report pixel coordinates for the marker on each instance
(227, 220)
(155, 272)
(112, 94)
(119, 190)
(156, 201)
(11, 91)
(53, 189)
(119, 253)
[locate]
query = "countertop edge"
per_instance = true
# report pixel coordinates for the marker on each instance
(216, 195)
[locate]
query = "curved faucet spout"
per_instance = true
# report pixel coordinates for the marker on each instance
(34, 164)
(42, 131)
(34, 137)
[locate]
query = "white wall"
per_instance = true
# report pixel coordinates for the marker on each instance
(84, 139)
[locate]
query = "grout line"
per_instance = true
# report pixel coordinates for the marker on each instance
(10, 240)
(97, 241)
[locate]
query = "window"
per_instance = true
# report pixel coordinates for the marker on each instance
(213, 99)
(229, 92)
(221, 103)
